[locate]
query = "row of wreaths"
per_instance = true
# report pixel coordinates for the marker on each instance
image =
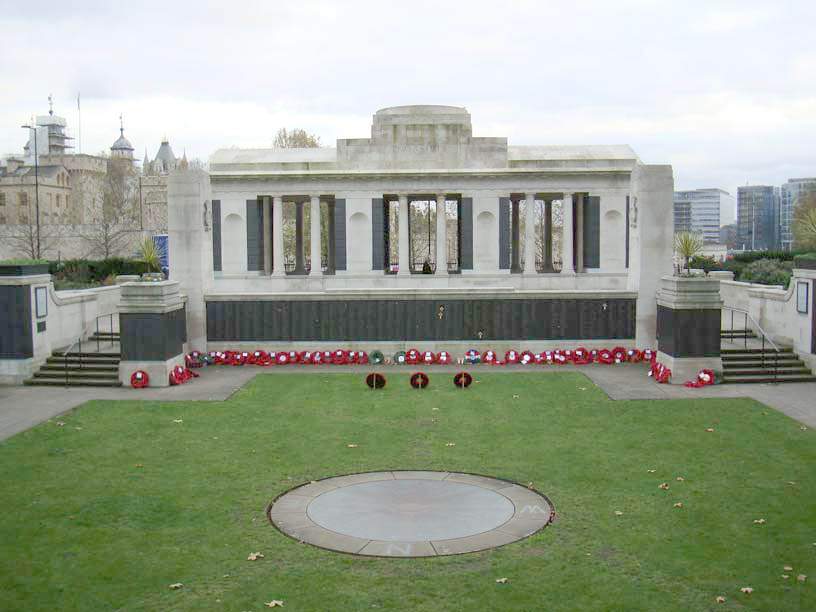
(578, 356)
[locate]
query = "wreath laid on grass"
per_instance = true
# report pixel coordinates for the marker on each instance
(462, 380)
(419, 380)
(375, 380)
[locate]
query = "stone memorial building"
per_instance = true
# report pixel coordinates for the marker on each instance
(422, 235)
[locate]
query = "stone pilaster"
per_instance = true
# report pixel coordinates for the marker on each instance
(314, 237)
(567, 263)
(152, 324)
(404, 245)
(688, 326)
(441, 236)
(529, 234)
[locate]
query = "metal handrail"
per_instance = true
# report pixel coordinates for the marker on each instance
(763, 335)
(78, 342)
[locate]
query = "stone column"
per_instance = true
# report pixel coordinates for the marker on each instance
(529, 235)
(567, 265)
(515, 265)
(688, 326)
(404, 244)
(441, 236)
(153, 329)
(548, 237)
(300, 264)
(316, 244)
(579, 233)
(267, 235)
(277, 240)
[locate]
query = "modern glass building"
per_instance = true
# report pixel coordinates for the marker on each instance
(703, 211)
(758, 218)
(789, 195)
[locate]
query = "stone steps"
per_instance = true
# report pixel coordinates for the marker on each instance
(741, 366)
(78, 370)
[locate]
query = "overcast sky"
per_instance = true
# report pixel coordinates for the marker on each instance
(724, 91)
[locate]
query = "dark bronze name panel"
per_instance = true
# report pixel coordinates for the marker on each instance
(422, 319)
(153, 336)
(688, 333)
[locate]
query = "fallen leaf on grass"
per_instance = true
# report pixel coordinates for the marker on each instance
(255, 556)
(529, 485)
(60, 424)
(759, 521)
(501, 580)
(651, 471)
(785, 576)
(719, 599)
(801, 577)
(275, 603)
(178, 420)
(434, 408)
(78, 428)
(792, 483)
(678, 505)
(679, 479)
(351, 445)
(515, 396)
(451, 444)
(747, 590)
(176, 585)
(788, 568)
(139, 465)
(582, 388)
(618, 513)
(664, 486)
(709, 429)
(803, 428)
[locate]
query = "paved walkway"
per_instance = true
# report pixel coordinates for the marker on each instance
(24, 407)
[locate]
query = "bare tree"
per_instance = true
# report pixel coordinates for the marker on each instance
(804, 222)
(113, 216)
(22, 238)
(297, 138)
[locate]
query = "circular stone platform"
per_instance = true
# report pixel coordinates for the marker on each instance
(410, 514)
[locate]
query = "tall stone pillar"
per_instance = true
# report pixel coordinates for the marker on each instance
(688, 326)
(404, 244)
(548, 237)
(277, 237)
(579, 232)
(529, 234)
(190, 238)
(153, 330)
(314, 232)
(567, 265)
(441, 236)
(267, 235)
(300, 264)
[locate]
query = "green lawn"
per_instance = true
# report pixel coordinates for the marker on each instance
(105, 512)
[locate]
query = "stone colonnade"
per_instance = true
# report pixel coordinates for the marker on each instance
(571, 242)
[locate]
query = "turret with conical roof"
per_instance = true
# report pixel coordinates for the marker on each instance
(165, 161)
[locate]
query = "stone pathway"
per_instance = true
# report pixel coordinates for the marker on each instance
(24, 407)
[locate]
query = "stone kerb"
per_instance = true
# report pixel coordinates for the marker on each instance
(153, 329)
(688, 325)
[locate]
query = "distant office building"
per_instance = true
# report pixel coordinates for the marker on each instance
(703, 211)
(758, 218)
(789, 195)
